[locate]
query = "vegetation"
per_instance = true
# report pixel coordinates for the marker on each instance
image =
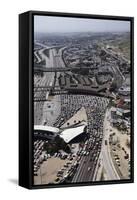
(58, 144)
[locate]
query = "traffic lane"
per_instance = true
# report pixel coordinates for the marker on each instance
(107, 160)
(92, 165)
(75, 178)
(88, 169)
(85, 174)
(99, 122)
(89, 161)
(82, 174)
(49, 77)
(84, 168)
(107, 166)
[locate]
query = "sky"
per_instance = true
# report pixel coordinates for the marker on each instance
(53, 24)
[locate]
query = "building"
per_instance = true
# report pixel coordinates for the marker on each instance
(49, 132)
(45, 132)
(71, 133)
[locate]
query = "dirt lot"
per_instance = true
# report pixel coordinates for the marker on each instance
(117, 150)
(48, 170)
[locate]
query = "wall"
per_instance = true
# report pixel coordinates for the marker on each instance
(9, 11)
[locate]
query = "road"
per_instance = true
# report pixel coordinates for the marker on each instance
(82, 174)
(47, 79)
(53, 61)
(86, 168)
(118, 74)
(105, 153)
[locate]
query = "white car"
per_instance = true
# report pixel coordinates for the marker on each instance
(89, 168)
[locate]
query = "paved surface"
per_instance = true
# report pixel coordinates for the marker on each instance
(82, 174)
(107, 160)
(54, 61)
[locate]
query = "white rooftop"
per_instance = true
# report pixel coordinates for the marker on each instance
(46, 128)
(71, 133)
(68, 134)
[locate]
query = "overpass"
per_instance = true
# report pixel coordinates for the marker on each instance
(68, 88)
(54, 92)
(59, 69)
(74, 91)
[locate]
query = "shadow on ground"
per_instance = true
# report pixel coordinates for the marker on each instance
(14, 181)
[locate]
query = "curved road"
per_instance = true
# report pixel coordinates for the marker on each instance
(105, 153)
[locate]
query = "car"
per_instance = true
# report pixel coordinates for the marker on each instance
(57, 179)
(105, 142)
(89, 168)
(59, 175)
(87, 153)
(35, 174)
(60, 172)
(86, 142)
(118, 162)
(68, 157)
(55, 155)
(126, 156)
(68, 163)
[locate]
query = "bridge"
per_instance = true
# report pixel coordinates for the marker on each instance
(74, 92)
(59, 69)
(52, 92)
(45, 88)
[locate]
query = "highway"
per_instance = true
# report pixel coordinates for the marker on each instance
(53, 61)
(87, 164)
(47, 79)
(58, 69)
(86, 169)
(83, 174)
(118, 74)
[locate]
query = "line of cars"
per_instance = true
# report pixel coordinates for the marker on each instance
(37, 156)
(41, 155)
(95, 109)
(66, 173)
(95, 116)
(120, 155)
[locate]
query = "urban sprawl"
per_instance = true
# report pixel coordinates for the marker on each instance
(81, 107)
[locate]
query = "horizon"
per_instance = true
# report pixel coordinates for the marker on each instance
(53, 24)
(77, 32)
